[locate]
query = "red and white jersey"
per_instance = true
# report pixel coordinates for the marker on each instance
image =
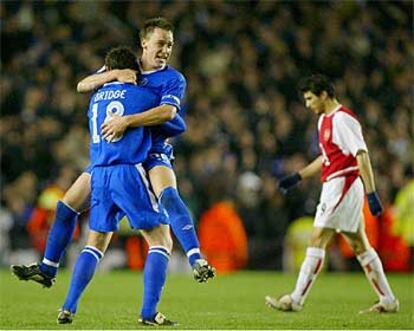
(340, 138)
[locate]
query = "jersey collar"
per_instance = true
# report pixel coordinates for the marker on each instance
(149, 71)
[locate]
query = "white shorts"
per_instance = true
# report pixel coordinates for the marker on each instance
(345, 216)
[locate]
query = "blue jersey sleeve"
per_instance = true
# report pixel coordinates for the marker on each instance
(174, 91)
(174, 127)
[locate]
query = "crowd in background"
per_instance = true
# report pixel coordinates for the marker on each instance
(247, 125)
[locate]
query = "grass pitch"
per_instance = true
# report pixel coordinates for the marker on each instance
(234, 301)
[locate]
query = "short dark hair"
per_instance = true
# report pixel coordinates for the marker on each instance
(316, 84)
(121, 58)
(152, 23)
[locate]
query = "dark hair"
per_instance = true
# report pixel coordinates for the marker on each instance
(152, 23)
(316, 84)
(121, 58)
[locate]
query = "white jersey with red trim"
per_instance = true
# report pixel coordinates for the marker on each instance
(340, 138)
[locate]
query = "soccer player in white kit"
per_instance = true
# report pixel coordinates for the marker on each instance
(346, 174)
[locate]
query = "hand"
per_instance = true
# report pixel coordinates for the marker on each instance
(126, 76)
(114, 128)
(288, 182)
(374, 204)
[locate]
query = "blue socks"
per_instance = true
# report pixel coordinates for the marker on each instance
(60, 235)
(82, 274)
(155, 273)
(181, 223)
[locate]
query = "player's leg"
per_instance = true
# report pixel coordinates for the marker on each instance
(372, 266)
(83, 272)
(60, 234)
(131, 193)
(164, 184)
(309, 271)
(155, 273)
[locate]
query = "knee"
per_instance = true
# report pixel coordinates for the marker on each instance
(166, 241)
(73, 201)
(169, 196)
(316, 241)
(99, 241)
(161, 237)
(172, 202)
(358, 247)
(68, 201)
(169, 243)
(77, 195)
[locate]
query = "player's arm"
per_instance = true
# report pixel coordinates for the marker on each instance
(169, 106)
(173, 93)
(97, 80)
(367, 175)
(174, 127)
(348, 134)
(312, 168)
(292, 180)
(365, 169)
(154, 116)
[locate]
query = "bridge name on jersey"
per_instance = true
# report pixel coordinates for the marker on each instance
(109, 95)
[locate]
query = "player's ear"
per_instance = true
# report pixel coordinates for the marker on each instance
(143, 43)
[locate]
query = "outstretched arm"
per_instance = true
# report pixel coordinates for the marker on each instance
(154, 116)
(312, 168)
(95, 81)
(292, 180)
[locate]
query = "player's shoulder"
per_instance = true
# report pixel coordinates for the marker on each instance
(174, 73)
(346, 117)
(345, 112)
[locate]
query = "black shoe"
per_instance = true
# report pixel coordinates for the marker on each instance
(32, 272)
(158, 320)
(202, 271)
(65, 317)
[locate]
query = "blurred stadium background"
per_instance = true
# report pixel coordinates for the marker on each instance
(247, 125)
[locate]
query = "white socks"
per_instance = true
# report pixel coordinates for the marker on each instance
(369, 261)
(372, 266)
(308, 272)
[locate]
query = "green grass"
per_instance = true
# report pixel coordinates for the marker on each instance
(228, 302)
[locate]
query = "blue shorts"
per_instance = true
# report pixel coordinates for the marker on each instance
(123, 190)
(159, 156)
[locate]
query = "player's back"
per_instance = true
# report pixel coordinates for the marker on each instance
(119, 99)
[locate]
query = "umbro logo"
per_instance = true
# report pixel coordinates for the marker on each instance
(143, 82)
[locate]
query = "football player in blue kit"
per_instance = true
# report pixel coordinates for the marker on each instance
(119, 187)
(157, 42)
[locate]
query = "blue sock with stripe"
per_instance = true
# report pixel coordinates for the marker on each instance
(181, 223)
(83, 272)
(155, 273)
(59, 237)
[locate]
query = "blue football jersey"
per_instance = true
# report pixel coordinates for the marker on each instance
(170, 86)
(120, 99)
